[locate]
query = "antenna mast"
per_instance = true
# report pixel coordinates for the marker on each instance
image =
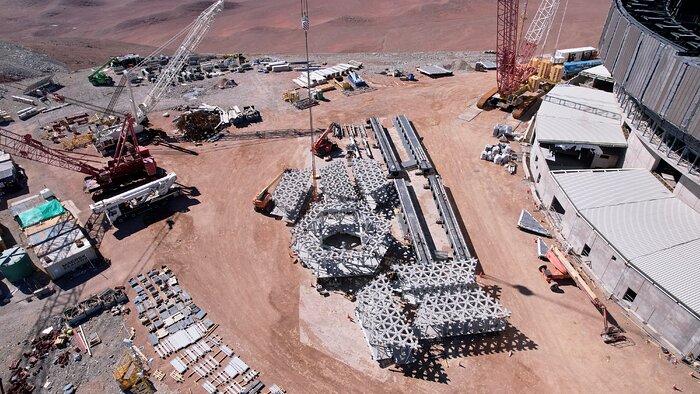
(305, 26)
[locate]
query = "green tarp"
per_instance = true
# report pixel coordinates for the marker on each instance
(43, 212)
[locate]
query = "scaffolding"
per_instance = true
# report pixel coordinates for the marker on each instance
(291, 192)
(458, 312)
(325, 220)
(419, 280)
(389, 336)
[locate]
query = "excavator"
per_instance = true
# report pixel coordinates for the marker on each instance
(263, 201)
(99, 78)
(323, 145)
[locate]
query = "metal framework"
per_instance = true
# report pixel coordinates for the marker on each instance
(385, 146)
(449, 219)
(386, 330)
(370, 179)
(292, 190)
(539, 27)
(417, 280)
(461, 312)
(678, 146)
(413, 145)
(506, 41)
(328, 219)
(336, 184)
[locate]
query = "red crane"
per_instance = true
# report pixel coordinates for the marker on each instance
(130, 159)
(507, 47)
(511, 58)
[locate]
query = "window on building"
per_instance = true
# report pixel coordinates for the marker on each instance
(630, 295)
(586, 250)
(614, 258)
(557, 207)
(536, 157)
(539, 176)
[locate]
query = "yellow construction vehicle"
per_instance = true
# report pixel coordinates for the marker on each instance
(263, 200)
(132, 372)
(291, 96)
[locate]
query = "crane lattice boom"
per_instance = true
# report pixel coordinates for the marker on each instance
(199, 29)
(506, 43)
(27, 147)
(541, 23)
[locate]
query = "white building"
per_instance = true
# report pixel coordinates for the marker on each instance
(639, 240)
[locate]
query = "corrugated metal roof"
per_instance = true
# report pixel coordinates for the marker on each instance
(647, 224)
(598, 71)
(566, 123)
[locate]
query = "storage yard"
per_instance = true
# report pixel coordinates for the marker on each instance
(423, 234)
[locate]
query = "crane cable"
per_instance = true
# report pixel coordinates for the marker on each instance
(305, 25)
(561, 24)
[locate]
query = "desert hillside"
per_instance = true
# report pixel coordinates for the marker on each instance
(273, 26)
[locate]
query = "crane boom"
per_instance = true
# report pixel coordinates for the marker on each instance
(199, 29)
(136, 198)
(506, 43)
(541, 23)
(31, 149)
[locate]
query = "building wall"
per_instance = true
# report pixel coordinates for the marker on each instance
(652, 307)
(641, 155)
(649, 68)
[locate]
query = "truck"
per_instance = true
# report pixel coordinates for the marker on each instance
(138, 200)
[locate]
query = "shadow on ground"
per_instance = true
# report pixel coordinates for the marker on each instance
(434, 355)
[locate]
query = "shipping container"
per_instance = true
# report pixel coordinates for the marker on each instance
(58, 242)
(571, 68)
(575, 55)
(68, 259)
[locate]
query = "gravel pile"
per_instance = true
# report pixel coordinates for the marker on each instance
(17, 63)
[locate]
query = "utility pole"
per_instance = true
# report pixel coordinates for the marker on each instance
(305, 24)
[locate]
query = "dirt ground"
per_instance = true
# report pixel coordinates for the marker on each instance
(77, 32)
(236, 263)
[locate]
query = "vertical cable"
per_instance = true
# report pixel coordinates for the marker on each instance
(305, 25)
(563, 16)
